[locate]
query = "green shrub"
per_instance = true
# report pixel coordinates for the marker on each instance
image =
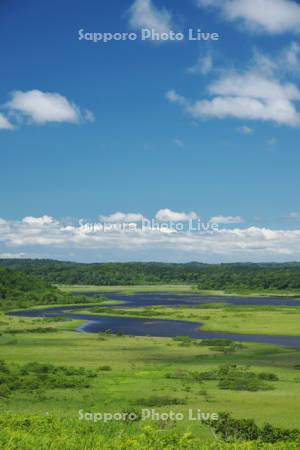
(216, 342)
(35, 376)
(229, 377)
(4, 390)
(231, 429)
(160, 401)
(243, 382)
(268, 376)
(104, 368)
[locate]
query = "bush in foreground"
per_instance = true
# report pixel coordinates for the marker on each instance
(231, 429)
(44, 433)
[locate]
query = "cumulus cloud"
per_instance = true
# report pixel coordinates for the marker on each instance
(38, 221)
(270, 16)
(249, 95)
(203, 66)
(245, 130)
(248, 244)
(227, 220)
(284, 62)
(45, 107)
(88, 116)
(5, 124)
(167, 215)
(173, 97)
(118, 217)
(253, 85)
(144, 14)
(293, 56)
(281, 112)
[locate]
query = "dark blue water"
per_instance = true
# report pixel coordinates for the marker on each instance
(171, 299)
(166, 328)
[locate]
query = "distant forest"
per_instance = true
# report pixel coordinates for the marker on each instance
(204, 276)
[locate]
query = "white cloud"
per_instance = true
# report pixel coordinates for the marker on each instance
(38, 221)
(45, 107)
(245, 130)
(144, 14)
(264, 64)
(203, 66)
(173, 97)
(5, 123)
(253, 85)
(270, 16)
(88, 116)
(257, 93)
(249, 95)
(292, 56)
(236, 244)
(122, 217)
(226, 220)
(285, 62)
(167, 215)
(281, 112)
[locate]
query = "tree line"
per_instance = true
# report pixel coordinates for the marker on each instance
(21, 290)
(205, 276)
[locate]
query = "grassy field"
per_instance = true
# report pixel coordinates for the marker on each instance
(130, 374)
(272, 320)
(131, 369)
(103, 301)
(179, 288)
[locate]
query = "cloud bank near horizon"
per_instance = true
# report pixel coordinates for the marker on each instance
(49, 237)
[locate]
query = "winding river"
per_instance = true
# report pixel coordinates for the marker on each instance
(165, 328)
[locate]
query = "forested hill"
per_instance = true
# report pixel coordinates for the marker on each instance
(205, 276)
(18, 290)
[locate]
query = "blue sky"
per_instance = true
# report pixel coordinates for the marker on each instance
(88, 129)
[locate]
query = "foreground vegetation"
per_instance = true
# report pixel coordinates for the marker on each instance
(34, 432)
(44, 433)
(49, 373)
